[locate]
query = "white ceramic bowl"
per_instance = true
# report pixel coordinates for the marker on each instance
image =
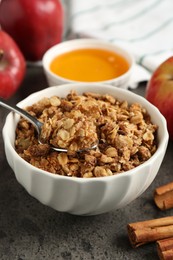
(83, 196)
(53, 79)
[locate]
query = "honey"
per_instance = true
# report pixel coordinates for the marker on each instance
(89, 65)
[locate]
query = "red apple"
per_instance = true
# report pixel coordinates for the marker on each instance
(159, 91)
(12, 66)
(35, 25)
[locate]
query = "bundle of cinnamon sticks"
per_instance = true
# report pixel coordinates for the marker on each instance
(156, 230)
(165, 249)
(163, 196)
(150, 230)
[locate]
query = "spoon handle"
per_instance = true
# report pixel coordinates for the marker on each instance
(21, 112)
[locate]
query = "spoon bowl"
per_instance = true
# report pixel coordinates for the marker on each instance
(38, 125)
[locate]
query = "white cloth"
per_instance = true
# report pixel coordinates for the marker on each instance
(145, 27)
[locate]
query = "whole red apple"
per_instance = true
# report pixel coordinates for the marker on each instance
(159, 91)
(12, 66)
(35, 25)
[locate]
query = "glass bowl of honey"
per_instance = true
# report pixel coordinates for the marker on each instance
(88, 61)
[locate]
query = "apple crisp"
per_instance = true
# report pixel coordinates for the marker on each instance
(124, 132)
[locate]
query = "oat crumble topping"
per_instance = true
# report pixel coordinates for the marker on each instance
(126, 135)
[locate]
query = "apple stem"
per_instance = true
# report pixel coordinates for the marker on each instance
(1, 54)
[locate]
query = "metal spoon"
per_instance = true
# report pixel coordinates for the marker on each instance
(38, 125)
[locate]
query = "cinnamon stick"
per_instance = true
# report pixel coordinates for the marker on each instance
(163, 196)
(150, 230)
(165, 249)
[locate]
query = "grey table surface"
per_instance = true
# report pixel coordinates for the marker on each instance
(32, 231)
